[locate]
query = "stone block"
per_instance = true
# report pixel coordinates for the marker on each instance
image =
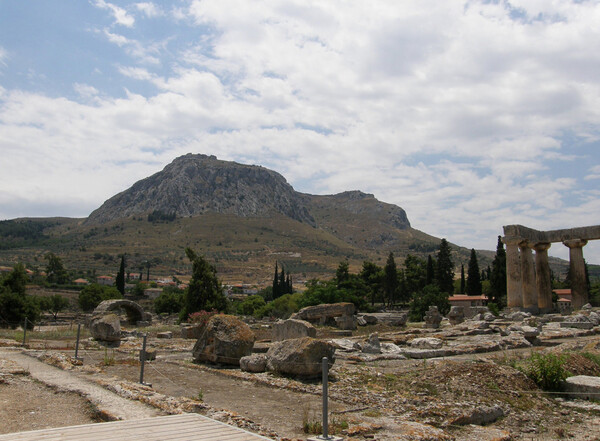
(583, 387)
(166, 335)
(292, 328)
(577, 325)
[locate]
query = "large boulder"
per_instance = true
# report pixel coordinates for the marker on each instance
(456, 315)
(300, 356)
(106, 328)
(432, 317)
(372, 345)
(292, 328)
(254, 363)
(325, 313)
(225, 339)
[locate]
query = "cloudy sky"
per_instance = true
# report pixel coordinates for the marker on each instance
(468, 114)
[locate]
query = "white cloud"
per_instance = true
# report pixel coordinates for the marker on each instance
(85, 90)
(3, 56)
(149, 9)
(457, 114)
(120, 15)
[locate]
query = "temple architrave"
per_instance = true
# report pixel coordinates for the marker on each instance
(528, 278)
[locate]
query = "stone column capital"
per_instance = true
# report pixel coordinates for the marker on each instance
(575, 243)
(541, 246)
(512, 240)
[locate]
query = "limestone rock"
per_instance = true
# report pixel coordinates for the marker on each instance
(583, 387)
(225, 340)
(292, 328)
(530, 333)
(300, 356)
(346, 322)
(191, 331)
(370, 319)
(324, 313)
(456, 315)
(480, 416)
(254, 363)
(587, 307)
(594, 318)
(489, 317)
(518, 316)
(106, 328)
(372, 345)
(426, 343)
(432, 318)
(166, 335)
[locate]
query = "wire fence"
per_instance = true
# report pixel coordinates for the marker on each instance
(417, 367)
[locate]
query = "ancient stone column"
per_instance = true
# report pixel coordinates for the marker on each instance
(542, 277)
(514, 297)
(530, 301)
(579, 292)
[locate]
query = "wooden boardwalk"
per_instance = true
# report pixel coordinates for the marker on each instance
(189, 426)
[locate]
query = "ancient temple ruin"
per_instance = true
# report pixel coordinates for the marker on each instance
(528, 282)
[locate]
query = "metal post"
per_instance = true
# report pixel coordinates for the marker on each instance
(77, 344)
(24, 330)
(143, 359)
(325, 409)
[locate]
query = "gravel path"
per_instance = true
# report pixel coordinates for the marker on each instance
(107, 402)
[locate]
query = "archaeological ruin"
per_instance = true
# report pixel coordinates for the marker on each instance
(528, 281)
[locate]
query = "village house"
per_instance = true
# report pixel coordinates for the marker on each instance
(106, 280)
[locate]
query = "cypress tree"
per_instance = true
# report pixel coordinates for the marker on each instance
(445, 268)
(473, 276)
(276, 292)
(120, 280)
(282, 289)
(390, 279)
(498, 276)
(430, 277)
(462, 278)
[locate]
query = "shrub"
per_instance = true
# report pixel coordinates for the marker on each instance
(93, 294)
(169, 302)
(493, 307)
(250, 305)
(201, 317)
(429, 296)
(546, 370)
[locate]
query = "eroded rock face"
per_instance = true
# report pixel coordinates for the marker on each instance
(426, 343)
(292, 328)
(225, 339)
(456, 315)
(106, 328)
(300, 356)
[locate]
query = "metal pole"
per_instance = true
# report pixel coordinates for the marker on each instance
(143, 359)
(77, 344)
(325, 410)
(24, 330)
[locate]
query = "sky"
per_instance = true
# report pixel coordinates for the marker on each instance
(470, 115)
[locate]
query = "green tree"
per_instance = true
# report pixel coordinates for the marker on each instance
(204, 292)
(170, 301)
(92, 295)
(342, 274)
(55, 271)
(415, 275)
(390, 280)
(120, 280)
(54, 304)
(462, 279)
(498, 276)
(431, 295)
(250, 305)
(16, 280)
(445, 268)
(473, 287)
(276, 291)
(372, 276)
(430, 275)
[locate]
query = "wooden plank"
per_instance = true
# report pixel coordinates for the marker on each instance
(186, 427)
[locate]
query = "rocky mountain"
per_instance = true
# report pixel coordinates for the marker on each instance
(193, 185)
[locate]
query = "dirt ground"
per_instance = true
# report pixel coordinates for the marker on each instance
(383, 400)
(29, 405)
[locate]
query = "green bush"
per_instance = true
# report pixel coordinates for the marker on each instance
(493, 307)
(546, 370)
(250, 305)
(281, 307)
(169, 302)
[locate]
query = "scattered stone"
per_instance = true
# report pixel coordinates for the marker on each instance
(345, 322)
(166, 335)
(480, 416)
(106, 328)
(225, 340)
(191, 331)
(587, 307)
(254, 363)
(583, 387)
(489, 317)
(577, 325)
(360, 321)
(518, 316)
(530, 333)
(299, 356)
(456, 315)
(372, 345)
(370, 319)
(426, 343)
(594, 318)
(411, 430)
(432, 318)
(345, 344)
(150, 355)
(292, 328)
(325, 313)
